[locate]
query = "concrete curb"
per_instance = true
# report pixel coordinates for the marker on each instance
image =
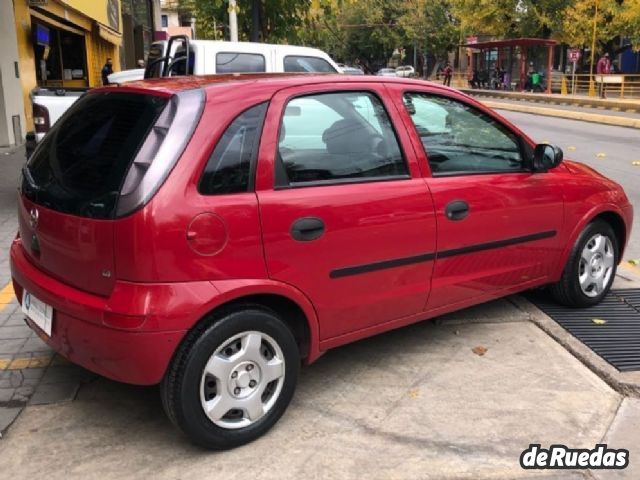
(568, 114)
(589, 102)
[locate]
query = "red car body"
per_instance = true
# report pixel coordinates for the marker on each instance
(126, 291)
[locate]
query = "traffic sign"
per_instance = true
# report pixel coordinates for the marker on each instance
(573, 54)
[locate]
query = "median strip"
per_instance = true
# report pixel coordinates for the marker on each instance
(567, 114)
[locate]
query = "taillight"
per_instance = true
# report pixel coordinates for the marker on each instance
(41, 118)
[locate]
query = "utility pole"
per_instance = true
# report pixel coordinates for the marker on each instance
(233, 21)
(592, 88)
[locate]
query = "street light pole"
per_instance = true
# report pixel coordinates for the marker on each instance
(233, 21)
(592, 88)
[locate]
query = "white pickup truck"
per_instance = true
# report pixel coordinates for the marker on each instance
(169, 58)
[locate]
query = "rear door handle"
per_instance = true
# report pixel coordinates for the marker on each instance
(307, 229)
(457, 210)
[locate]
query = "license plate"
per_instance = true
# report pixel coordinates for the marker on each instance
(38, 312)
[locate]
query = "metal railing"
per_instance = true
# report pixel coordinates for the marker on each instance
(616, 86)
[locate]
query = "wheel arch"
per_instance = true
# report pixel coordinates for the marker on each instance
(291, 305)
(610, 214)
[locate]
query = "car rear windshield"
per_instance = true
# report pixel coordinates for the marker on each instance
(81, 164)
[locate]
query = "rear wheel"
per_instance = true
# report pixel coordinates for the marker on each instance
(232, 379)
(591, 267)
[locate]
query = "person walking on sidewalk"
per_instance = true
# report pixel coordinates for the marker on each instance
(447, 72)
(603, 67)
(107, 70)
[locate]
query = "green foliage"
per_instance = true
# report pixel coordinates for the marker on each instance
(370, 30)
(279, 19)
(628, 21)
(577, 27)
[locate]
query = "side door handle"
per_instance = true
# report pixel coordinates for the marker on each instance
(457, 210)
(307, 229)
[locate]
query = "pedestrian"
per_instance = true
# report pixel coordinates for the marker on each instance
(106, 71)
(447, 72)
(603, 67)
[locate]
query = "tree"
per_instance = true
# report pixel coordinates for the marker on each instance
(274, 21)
(429, 25)
(628, 21)
(577, 26)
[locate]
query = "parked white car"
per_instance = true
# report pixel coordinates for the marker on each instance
(387, 72)
(405, 71)
(169, 58)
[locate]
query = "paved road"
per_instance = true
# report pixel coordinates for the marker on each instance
(610, 150)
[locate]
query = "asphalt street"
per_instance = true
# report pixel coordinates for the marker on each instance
(610, 150)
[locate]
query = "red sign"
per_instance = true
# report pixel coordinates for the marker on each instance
(573, 54)
(472, 39)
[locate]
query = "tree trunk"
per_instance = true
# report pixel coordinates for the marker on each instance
(255, 20)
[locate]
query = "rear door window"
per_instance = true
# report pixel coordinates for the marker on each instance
(297, 63)
(81, 164)
(237, 62)
(341, 137)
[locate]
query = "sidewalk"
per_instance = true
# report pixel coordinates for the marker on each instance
(426, 401)
(29, 371)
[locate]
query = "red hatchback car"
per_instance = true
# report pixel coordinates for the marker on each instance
(211, 234)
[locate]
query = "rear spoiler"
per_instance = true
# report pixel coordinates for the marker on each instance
(166, 62)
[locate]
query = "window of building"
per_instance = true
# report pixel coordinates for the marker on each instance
(164, 21)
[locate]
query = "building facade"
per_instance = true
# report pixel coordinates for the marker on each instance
(12, 115)
(65, 44)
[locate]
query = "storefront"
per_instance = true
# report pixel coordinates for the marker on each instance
(65, 43)
(60, 55)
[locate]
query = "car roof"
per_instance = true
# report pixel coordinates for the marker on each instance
(267, 81)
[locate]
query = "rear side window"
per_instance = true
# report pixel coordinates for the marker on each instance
(229, 167)
(341, 137)
(296, 63)
(236, 62)
(81, 164)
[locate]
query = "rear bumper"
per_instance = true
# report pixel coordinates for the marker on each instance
(129, 336)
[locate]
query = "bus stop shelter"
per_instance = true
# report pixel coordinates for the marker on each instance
(516, 52)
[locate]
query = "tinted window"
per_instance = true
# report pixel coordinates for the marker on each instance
(81, 164)
(459, 139)
(234, 62)
(179, 63)
(155, 52)
(294, 63)
(335, 136)
(229, 167)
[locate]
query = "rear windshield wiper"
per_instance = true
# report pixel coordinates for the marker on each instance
(27, 175)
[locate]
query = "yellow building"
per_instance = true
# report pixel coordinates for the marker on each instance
(65, 43)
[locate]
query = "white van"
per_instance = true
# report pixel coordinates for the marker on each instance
(169, 58)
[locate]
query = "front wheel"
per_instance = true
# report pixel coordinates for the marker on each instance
(591, 268)
(232, 379)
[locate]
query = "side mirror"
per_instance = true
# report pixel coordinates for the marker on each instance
(546, 157)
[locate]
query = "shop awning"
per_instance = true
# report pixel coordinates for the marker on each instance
(109, 35)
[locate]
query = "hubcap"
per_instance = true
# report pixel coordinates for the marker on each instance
(242, 380)
(597, 260)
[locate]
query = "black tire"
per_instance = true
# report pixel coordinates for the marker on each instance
(568, 291)
(181, 386)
